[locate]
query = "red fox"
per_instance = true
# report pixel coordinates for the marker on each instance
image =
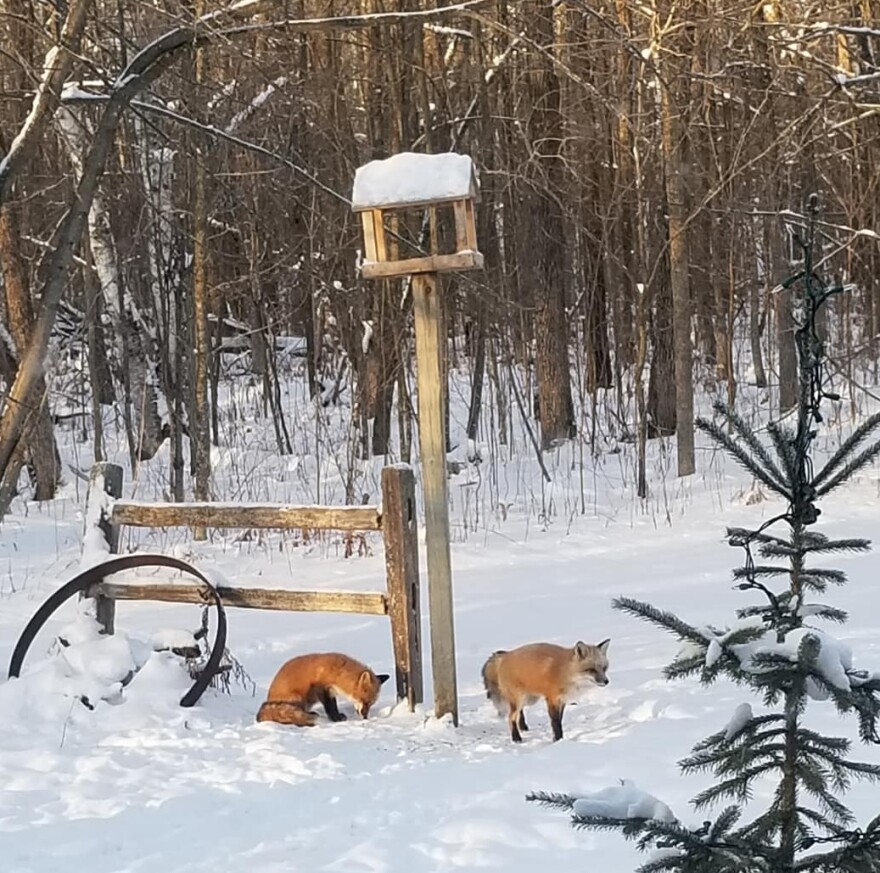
(309, 679)
(521, 676)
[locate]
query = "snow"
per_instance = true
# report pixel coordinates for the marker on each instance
(245, 113)
(833, 663)
(172, 638)
(96, 549)
(414, 178)
(72, 93)
(713, 653)
(39, 106)
(623, 801)
(368, 335)
(139, 784)
(742, 715)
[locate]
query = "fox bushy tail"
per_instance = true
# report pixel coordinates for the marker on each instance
(284, 712)
(490, 679)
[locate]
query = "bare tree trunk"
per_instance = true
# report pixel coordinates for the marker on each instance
(478, 332)
(641, 409)
(201, 427)
(548, 276)
(56, 68)
(39, 449)
(127, 321)
(672, 143)
(788, 374)
(93, 319)
(755, 321)
(785, 326)
(661, 412)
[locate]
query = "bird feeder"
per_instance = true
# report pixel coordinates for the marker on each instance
(409, 181)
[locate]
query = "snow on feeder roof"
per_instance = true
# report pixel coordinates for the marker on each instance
(416, 181)
(410, 179)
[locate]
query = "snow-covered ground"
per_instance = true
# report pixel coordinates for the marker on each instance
(143, 785)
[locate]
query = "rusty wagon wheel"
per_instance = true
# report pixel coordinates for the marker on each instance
(116, 565)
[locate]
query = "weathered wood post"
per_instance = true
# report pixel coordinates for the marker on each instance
(105, 480)
(400, 532)
(432, 448)
(414, 181)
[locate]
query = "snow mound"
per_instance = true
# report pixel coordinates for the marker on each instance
(623, 801)
(83, 629)
(88, 672)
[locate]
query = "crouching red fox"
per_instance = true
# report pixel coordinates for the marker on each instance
(522, 676)
(309, 679)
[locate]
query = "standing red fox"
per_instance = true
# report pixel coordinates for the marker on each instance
(521, 676)
(309, 679)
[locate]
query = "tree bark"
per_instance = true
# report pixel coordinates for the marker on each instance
(201, 437)
(129, 330)
(547, 274)
(661, 409)
(672, 139)
(56, 68)
(38, 449)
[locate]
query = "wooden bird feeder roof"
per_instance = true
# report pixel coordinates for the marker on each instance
(408, 181)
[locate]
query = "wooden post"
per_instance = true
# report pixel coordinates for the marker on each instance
(432, 445)
(400, 532)
(106, 478)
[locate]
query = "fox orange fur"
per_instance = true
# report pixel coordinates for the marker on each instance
(309, 679)
(522, 676)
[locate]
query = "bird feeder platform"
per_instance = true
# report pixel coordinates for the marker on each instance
(409, 181)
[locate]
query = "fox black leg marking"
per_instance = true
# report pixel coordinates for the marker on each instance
(555, 711)
(522, 721)
(513, 720)
(328, 701)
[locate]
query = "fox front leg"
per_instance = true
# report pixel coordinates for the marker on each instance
(513, 720)
(328, 701)
(555, 709)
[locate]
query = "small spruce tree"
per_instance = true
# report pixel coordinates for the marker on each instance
(774, 650)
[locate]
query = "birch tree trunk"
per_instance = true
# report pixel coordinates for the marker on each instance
(133, 342)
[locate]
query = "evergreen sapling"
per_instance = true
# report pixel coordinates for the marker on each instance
(775, 650)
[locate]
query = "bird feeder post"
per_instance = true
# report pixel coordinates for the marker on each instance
(413, 181)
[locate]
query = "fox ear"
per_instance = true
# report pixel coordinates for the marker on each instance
(581, 650)
(383, 678)
(603, 646)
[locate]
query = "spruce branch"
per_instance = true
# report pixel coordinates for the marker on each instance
(829, 613)
(750, 438)
(846, 450)
(629, 827)
(821, 577)
(784, 442)
(827, 546)
(686, 665)
(551, 799)
(849, 470)
(763, 571)
(749, 462)
(666, 620)
(738, 787)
